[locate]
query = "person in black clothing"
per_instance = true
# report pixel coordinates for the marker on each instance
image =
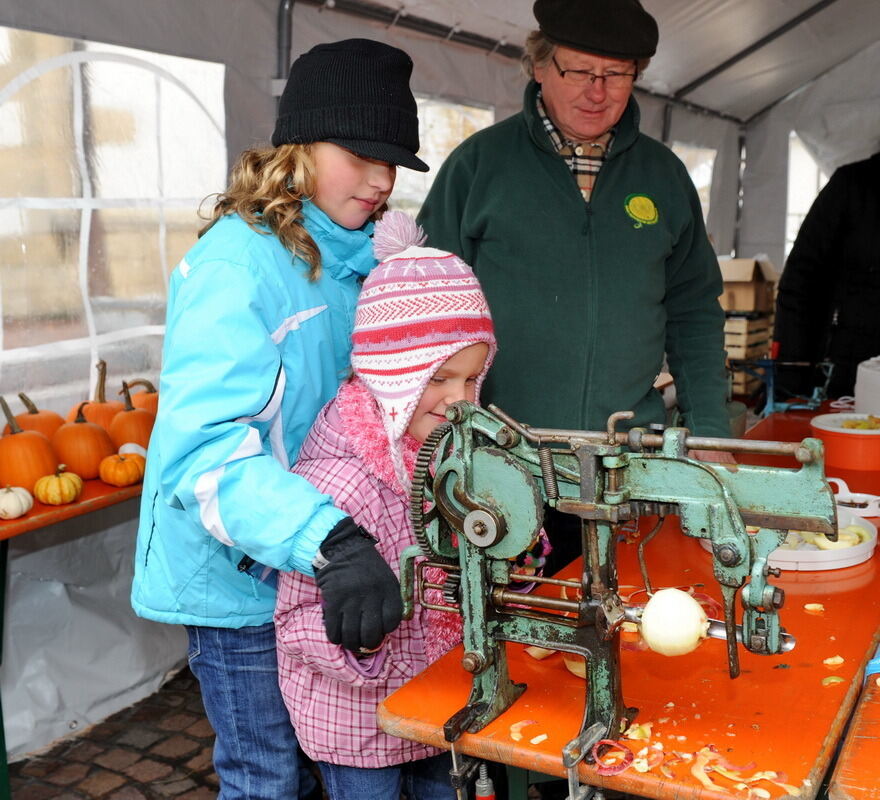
(828, 306)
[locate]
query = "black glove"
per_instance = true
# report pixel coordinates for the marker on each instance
(360, 592)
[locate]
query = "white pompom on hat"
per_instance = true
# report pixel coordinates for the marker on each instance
(417, 309)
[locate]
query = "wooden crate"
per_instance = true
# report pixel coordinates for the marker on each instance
(743, 383)
(748, 336)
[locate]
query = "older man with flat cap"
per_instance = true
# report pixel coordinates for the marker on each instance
(587, 237)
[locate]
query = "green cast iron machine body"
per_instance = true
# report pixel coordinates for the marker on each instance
(479, 491)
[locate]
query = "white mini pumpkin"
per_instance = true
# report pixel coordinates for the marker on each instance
(15, 502)
(132, 447)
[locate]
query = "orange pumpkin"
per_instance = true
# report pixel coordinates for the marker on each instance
(148, 399)
(25, 456)
(34, 419)
(122, 470)
(82, 445)
(100, 410)
(131, 424)
(59, 488)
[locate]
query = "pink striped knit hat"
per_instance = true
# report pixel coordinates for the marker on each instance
(417, 309)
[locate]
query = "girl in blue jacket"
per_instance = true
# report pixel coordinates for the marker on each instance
(258, 338)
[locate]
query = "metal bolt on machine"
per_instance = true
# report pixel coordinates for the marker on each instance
(480, 487)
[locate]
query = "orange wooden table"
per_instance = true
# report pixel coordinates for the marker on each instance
(777, 716)
(857, 774)
(95, 494)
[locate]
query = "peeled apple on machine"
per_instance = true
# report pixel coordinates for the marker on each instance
(60, 488)
(673, 623)
(15, 502)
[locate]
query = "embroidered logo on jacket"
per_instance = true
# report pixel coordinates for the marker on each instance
(641, 208)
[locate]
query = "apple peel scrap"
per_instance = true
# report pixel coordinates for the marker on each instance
(834, 661)
(816, 609)
(516, 728)
(707, 761)
(639, 731)
(539, 653)
(612, 763)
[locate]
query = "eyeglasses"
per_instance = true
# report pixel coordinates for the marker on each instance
(612, 80)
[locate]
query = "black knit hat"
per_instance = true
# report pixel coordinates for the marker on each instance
(610, 28)
(354, 93)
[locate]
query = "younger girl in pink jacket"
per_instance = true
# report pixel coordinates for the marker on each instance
(423, 339)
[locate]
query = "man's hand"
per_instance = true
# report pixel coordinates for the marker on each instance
(360, 593)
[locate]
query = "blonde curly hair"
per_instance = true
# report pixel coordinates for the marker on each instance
(266, 189)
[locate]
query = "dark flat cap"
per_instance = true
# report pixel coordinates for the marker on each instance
(610, 28)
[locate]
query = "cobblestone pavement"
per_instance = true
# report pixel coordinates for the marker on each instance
(156, 749)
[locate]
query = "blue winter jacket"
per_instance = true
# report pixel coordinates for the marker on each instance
(252, 352)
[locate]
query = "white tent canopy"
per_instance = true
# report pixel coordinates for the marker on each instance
(724, 68)
(734, 76)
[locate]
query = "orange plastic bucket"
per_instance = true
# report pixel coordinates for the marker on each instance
(847, 448)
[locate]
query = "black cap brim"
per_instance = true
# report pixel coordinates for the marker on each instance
(382, 151)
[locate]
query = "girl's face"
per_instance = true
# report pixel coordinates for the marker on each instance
(349, 188)
(455, 380)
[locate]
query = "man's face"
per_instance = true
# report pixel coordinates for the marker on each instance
(584, 110)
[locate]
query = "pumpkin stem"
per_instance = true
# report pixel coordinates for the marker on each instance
(100, 396)
(14, 427)
(149, 388)
(28, 403)
(128, 404)
(80, 417)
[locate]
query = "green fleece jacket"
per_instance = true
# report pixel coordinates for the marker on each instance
(586, 297)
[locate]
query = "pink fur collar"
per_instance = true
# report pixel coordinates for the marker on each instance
(366, 435)
(367, 439)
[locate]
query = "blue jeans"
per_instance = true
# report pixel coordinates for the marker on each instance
(256, 754)
(426, 779)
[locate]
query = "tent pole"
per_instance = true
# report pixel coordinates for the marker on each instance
(741, 141)
(284, 38)
(667, 124)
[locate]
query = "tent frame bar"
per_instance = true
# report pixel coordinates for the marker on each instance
(391, 18)
(745, 53)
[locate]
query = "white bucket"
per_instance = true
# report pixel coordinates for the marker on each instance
(868, 387)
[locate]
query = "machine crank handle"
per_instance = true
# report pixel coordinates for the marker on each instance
(717, 631)
(408, 578)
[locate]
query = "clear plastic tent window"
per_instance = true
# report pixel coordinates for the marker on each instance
(105, 156)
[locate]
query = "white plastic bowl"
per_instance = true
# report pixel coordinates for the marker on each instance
(812, 560)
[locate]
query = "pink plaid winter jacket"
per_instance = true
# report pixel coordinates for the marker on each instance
(331, 695)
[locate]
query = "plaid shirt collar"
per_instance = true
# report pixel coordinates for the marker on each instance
(592, 154)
